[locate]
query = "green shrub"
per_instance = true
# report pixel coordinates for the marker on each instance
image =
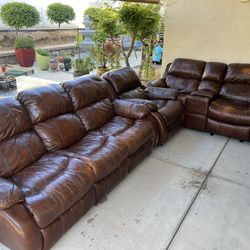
(85, 64)
(60, 13)
(19, 15)
(42, 52)
(24, 42)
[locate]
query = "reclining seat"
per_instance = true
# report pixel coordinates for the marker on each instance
(198, 102)
(230, 113)
(108, 122)
(126, 85)
(38, 199)
(53, 118)
(183, 75)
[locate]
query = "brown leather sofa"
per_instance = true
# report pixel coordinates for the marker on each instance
(60, 153)
(63, 148)
(125, 84)
(216, 95)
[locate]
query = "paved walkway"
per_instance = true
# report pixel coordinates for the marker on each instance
(191, 194)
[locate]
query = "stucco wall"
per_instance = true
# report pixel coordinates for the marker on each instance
(213, 30)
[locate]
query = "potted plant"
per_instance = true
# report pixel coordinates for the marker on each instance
(101, 58)
(67, 60)
(83, 66)
(25, 53)
(42, 58)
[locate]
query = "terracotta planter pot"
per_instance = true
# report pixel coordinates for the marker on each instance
(101, 71)
(25, 57)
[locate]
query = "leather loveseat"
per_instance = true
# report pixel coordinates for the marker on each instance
(216, 95)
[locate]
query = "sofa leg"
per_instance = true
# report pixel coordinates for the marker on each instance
(212, 134)
(241, 141)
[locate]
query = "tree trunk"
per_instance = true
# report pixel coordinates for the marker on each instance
(59, 38)
(126, 60)
(143, 56)
(16, 32)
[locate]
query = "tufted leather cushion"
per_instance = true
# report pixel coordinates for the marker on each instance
(187, 68)
(61, 131)
(184, 85)
(52, 185)
(134, 93)
(161, 93)
(102, 153)
(96, 115)
(45, 102)
(16, 137)
(213, 77)
(10, 194)
(236, 92)
(237, 83)
(130, 109)
(147, 103)
(85, 90)
(134, 133)
(50, 109)
(238, 73)
(13, 118)
(19, 151)
(215, 72)
(123, 79)
(230, 112)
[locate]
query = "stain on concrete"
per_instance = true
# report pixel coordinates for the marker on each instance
(137, 221)
(116, 235)
(90, 220)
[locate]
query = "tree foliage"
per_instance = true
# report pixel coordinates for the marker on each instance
(140, 21)
(60, 13)
(19, 15)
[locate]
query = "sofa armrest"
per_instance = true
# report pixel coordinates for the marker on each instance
(157, 83)
(130, 109)
(149, 104)
(162, 93)
(10, 194)
(204, 93)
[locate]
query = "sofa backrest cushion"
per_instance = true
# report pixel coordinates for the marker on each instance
(213, 76)
(90, 97)
(51, 112)
(237, 83)
(123, 79)
(185, 74)
(19, 144)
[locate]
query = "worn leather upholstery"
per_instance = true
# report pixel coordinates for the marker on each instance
(116, 131)
(230, 113)
(169, 109)
(62, 149)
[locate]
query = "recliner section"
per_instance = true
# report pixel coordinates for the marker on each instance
(125, 84)
(216, 95)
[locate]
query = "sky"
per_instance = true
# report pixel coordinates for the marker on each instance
(79, 7)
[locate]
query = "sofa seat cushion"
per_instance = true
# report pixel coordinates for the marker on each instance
(133, 132)
(52, 185)
(171, 112)
(230, 112)
(160, 103)
(103, 153)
